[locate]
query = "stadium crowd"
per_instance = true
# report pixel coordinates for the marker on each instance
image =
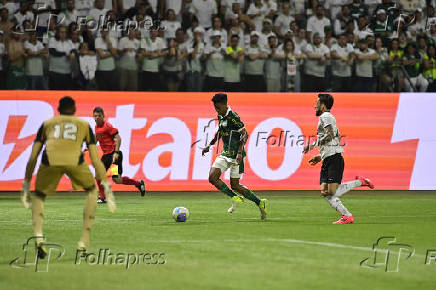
(215, 45)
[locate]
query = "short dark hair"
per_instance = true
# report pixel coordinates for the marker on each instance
(98, 110)
(220, 98)
(327, 100)
(67, 106)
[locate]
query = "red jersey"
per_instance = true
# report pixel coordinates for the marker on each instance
(105, 135)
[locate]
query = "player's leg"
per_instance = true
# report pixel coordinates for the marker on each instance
(248, 194)
(106, 159)
(331, 176)
(119, 179)
(220, 166)
(81, 175)
(47, 180)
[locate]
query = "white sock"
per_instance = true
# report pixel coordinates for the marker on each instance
(346, 187)
(336, 203)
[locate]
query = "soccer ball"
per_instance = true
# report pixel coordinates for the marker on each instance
(180, 214)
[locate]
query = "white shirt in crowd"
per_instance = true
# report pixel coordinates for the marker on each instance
(88, 66)
(317, 25)
(83, 6)
(44, 17)
(283, 21)
(204, 9)
(97, 13)
(2, 51)
(176, 5)
(170, 28)
(228, 3)
(20, 18)
(339, 67)
(209, 32)
(258, 20)
(67, 17)
(364, 68)
(127, 4)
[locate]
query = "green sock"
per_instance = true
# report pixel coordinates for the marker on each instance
(225, 189)
(251, 196)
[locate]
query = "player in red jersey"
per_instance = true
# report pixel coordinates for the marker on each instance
(110, 142)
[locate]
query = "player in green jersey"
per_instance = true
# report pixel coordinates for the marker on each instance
(233, 134)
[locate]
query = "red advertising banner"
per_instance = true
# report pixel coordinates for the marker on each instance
(163, 133)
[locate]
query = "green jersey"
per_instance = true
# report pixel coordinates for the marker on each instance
(230, 127)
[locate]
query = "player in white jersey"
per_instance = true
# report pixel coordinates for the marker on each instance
(332, 169)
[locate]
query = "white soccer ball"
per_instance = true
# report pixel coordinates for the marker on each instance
(180, 214)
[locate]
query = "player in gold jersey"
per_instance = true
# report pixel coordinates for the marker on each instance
(63, 137)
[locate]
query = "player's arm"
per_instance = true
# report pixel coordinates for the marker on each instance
(117, 148)
(315, 160)
(243, 140)
(212, 142)
(30, 167)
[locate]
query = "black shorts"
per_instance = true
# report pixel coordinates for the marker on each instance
(107, 161)
(332, 169)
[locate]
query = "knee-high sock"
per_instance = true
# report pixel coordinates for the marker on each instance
(129, 181)
(250, 195)
(89, 214)
(336, 203)
(226, 190)
(101, 190)
(38, 215)
(346, 187)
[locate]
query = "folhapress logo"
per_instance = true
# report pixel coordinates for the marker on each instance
(387, 254)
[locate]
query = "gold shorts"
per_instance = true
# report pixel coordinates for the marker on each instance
(47, 178)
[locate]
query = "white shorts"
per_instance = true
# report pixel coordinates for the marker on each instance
(225, 163)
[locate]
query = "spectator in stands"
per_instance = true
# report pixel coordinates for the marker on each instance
(334, 7)
(358, 9)
(422, 45)
(170, 25)
(292, 79)
(257, 12)
(299, 40)
(175, 5)
(412, 64)
(254, 80)
(342, 55)
(316, 23)
(271, 7)
(43, 9)
(61, 54)
(364, 66)
(273, 65)
(380, 69)
(329, 39)
(193, 64)
(106, 48)
(232, 65)
(24, 13)
(204, 10)
(2, 55)
(214, 55)
(16, 78)
(98, 13)
(315, 66)
(172, 65)
(382, 27)
(35, 51)
(152, 54)
(11, 5)
(128, 49)
(430, 68)
(5, 24)
(394, 62)
(283, 20)
(342, 19)
(265, 33)
(69, 15)
(87, 66)
(126, 5)
(418, 26)
(83, 7)
(217, 26)
(237, 27)
(363, 29)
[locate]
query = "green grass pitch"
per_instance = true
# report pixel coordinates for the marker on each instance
(296, 248)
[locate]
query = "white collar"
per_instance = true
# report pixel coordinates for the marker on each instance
(228, 111)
